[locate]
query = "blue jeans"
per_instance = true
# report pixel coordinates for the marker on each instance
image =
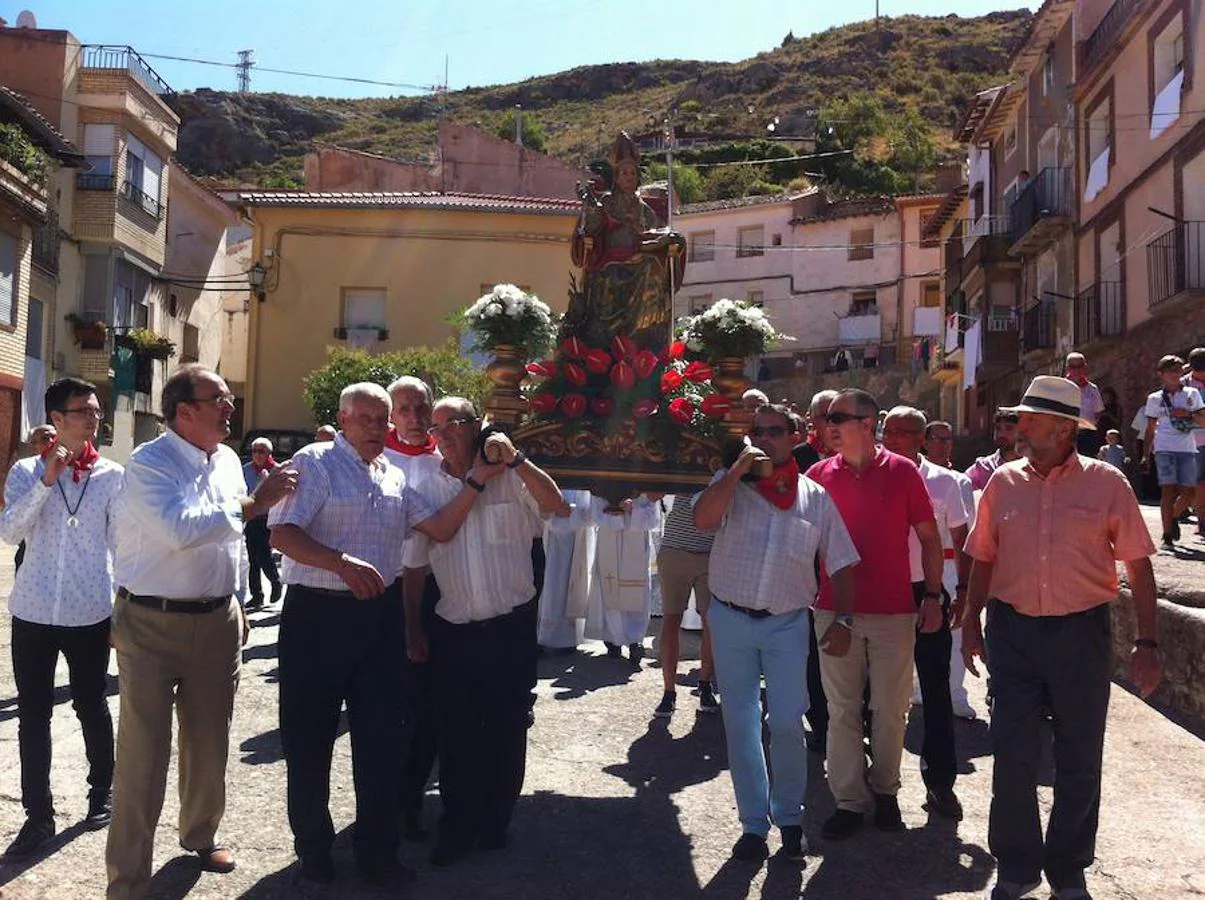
(745, 649)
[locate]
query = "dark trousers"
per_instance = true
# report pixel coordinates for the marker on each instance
(817, 714)
(1060, 664)
(938, 761)
(335, 649)
(422, 726)
(35, 651)
(484, 673)
(259, 555)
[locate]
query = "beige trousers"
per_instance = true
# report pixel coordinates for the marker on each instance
(881, 651)
(165, 659)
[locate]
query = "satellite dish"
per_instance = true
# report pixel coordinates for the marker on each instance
(26, 19)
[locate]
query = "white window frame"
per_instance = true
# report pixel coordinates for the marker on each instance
(750, 241)
(702, 246)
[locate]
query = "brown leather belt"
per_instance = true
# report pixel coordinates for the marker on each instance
(168, 604)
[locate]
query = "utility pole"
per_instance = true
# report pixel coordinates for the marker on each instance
(669, 208)
(519, 124)
(244, 70)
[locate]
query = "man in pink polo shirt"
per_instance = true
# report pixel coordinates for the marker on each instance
(882, 499)
(1047, 537)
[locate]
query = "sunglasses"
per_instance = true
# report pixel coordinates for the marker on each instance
(772, 431)
(840, 418)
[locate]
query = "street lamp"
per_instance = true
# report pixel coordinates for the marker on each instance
(256, 276)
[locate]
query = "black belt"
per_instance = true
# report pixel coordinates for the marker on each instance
(167, 604)
(751, 613)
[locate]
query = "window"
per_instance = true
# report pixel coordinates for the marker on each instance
(977, 207)
(750, 241)
(130, 289)
(1099, 142)
(364, 308)
(8, 278)
(33, 329)
(699, 302)
(702, 246)
(864, 303)
(1166, 61)
(776, 240)
(1048, 75)
(925, 215)
(1010, 142)
(144, 175)
(99, 142)
(861, 243)
(756, 298)
(930, 294)
(191, 350)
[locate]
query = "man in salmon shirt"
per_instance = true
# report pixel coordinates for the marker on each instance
(1047, 537)
(882, 499)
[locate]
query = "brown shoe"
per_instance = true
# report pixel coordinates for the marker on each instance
(216, 859)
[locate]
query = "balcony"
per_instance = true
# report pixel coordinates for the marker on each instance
(953, 261)
(1099, 312)
(90, 181)
(46, 243)
(1001, 346)
(108, 57)
(141, 199)
(987, 243)
(1105, 36)
(860, 329)
(1044, 209)
(1175, 264)
(1038, 327)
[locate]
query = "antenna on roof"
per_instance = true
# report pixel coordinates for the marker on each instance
(26, 19)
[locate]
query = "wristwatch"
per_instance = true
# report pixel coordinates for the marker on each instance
(520, 458)
(474, 484)
(846, 620)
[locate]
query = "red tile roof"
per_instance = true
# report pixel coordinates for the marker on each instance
(408, 200)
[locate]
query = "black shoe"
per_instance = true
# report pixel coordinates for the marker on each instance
(32, 837)
(255, 603)
(750, 848)
(794, 844)
(707, 701)
(816, 742)
(942, 802)
(887, 813)
(100, 812)
(387, 871)
(318, 868)
(665, 709)
(842, 824)
(1168, 543)
(446, 853)
(636, 652)
(1175, 531)
(276, 589)
(412, 827)
(612, 650)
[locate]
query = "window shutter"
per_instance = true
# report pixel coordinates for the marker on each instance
(8, 277)
(99, 140)
(152, 174)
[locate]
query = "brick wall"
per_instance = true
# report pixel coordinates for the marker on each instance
(10, 427)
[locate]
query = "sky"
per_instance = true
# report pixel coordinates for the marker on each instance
(408, 42)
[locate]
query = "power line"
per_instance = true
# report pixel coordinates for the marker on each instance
(295, 73)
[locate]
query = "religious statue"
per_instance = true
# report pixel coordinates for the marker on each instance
(631, 262)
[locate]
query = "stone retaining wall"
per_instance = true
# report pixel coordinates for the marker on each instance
(1182, 646)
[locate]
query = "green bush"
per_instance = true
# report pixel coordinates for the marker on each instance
(18, 151)
(444, 368)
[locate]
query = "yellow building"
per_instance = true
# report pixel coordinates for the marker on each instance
(382, 271)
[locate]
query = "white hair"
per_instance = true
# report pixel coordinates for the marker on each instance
(262, 442)
(410, 383)
(460, 404)
(825, 397)
(908, 412)
(754, 392)
(365, 389)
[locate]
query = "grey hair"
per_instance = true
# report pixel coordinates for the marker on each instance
(411, 383)
(825, 397)
(754, 392)
(262, 442)
(935, 424)
(462, 404)
(908, 412)
(367, 389)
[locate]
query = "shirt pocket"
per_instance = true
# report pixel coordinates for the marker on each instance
(503, 523)
(1086, 529)
(793, 538)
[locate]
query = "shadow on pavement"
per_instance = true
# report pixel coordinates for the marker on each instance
(9, 871)
(62, 693)
(176, 878)
(577, 674)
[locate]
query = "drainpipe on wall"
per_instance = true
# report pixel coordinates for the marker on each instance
(899, 288)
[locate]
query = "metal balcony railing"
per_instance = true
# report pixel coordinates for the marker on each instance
(1105, 35)
(46, 243)
(953, 261)
(1099, 312)
(1039, 328)
(144, 201)
(90, 181)
(126, 59)
(1175, 262)
(1049, 195)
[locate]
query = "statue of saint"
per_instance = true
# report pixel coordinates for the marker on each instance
(631, 262)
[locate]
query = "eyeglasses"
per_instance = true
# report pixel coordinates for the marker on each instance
(452, 423)
(840, 418)
(772, 431)
(90, 411)
(219, 399)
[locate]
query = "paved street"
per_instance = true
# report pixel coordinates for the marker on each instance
(617, 807)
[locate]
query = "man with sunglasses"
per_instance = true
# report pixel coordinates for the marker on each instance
(61, 504)
(181, 564)
(770, 531)
(882, 500)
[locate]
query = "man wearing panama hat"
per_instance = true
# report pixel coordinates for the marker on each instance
(1049, 530)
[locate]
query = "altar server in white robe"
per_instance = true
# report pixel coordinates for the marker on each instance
(569, 551)
(620, 582)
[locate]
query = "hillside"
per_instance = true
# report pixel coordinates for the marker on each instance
(928, 64)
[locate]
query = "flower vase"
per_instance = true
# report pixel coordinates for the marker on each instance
(729, 379)
(506, 405)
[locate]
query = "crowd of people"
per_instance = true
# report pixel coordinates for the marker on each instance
(841, 568)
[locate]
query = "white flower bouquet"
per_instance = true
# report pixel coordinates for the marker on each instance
(729, 328)
(508, 315)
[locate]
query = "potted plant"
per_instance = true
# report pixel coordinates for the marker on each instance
(727, 333)
(88, 334)
(146, 343)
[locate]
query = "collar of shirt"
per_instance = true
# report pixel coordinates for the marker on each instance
(190, 452)
(377, 465)
(1065, 469)
(879, 459)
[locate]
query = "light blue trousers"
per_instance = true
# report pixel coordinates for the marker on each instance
(745, 649)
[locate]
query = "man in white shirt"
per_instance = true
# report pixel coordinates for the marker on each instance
(1088, 440)
(60, 504)
(904, 433)
(770, 533)
(483, 637)
(1173, 413)
(181, 564)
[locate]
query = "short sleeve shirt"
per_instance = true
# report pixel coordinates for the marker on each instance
(950, 510)
(880, 506)
(1159, 406)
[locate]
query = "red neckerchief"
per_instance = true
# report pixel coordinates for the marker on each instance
(268, 466)
(781, 485)
(393, 442)
(83, 462)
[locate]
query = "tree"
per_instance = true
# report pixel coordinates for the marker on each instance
(688, 182)
(730, 182)
(444, 368)
(912, 148)
(535, 135)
